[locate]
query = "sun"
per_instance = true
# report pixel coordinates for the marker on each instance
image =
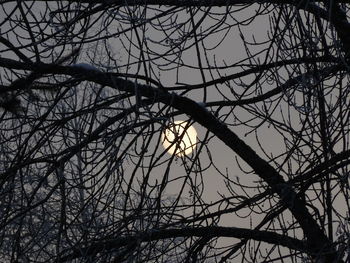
(179, 138)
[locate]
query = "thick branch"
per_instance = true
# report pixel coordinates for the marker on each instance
(152, 235)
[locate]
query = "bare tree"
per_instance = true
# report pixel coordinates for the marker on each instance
(88, 88)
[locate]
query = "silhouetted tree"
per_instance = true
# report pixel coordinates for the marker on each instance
(88, 87)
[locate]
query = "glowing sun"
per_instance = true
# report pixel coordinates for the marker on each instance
(179, 138)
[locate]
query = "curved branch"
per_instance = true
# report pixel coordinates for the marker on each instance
(209, 232)
(285, 86)
(256, 69)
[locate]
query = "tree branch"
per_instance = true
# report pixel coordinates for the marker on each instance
(182, 3)
(213, 231)
(317, 241)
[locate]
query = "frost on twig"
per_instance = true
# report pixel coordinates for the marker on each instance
(86, 67)
(202, 104)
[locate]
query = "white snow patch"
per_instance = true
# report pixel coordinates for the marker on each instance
(85, 66)
(202, 104)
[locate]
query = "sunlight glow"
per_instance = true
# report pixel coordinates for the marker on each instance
(181, 137)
